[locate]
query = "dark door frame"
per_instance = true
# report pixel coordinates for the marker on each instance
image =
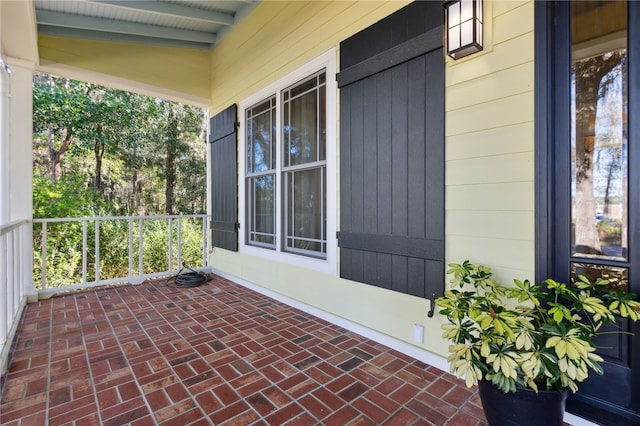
(552, 124)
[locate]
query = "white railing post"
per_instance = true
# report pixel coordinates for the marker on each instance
(179, 243)
(140, 247)
(170, 246)
(84, 252)
(26, 260)
(11, 283)
(4, 290)
(130, 222)
(43, 264)
(97, 248)
(26, 254)
(204, 241)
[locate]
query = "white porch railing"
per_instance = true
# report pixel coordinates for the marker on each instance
(82, 252)
(43, 256)
(15, 281)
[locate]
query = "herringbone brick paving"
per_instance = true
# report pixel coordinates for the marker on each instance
(221, 354)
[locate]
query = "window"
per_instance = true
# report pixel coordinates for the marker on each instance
(289, 190)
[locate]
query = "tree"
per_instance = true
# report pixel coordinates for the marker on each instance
(141, 155)
(59, 111)
(179, 126)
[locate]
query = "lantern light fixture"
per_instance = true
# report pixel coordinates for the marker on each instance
(463, 27)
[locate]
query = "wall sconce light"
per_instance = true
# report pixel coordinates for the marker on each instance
(463, 27)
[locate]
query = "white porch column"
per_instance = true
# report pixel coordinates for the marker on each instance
(21, 166)
(5, 142)
(21, 160)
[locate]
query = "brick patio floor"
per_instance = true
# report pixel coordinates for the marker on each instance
(221, 354)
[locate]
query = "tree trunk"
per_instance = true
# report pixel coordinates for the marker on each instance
(171, 183)
(55, 155)
(98, 149)
(170, 160)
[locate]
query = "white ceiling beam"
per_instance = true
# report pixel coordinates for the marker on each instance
(124, 38)
(120, 27)
(172, 9)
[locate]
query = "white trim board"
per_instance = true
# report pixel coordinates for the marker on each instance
(121, 83)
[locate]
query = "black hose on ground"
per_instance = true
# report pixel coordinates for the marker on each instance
(190, 279)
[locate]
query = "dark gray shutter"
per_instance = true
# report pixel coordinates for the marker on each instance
(392, 153)
(223, 140)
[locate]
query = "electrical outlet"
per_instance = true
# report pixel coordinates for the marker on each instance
(418, 333)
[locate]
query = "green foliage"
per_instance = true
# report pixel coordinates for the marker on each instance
(106, 152)
(141, 155)
(527, 336)
(66, 198)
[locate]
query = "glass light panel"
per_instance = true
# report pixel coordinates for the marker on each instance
(618, 277)
(454, 38)
(322, 128)
(599, 136)
(306, 207)
(466, 10)
(262, 202)
(261, 148)
(453, 15)
(304, 122)
(466, 33)
(302, 129)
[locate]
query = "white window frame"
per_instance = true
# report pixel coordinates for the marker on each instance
(326, 62)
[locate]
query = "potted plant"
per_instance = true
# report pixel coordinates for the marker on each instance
(534, 340)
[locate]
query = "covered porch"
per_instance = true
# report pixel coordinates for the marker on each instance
(271, 340)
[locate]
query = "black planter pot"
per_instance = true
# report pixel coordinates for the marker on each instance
(522, 408)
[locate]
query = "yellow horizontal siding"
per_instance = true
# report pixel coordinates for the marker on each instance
(501, 84)
(500, 7)
(288, 35)
(187, 70)
(493, 169)
(481, 116)
(501, 254)
(504, 55)
(500, 140)
(505, 225)
(490, 197)
(490, 146)
(513, 23)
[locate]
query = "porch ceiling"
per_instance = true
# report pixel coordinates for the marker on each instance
(175, 23)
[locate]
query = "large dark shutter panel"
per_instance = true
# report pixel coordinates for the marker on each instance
(223, 139)
(392, 153)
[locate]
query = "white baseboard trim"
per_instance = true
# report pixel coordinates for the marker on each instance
(574, 420)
